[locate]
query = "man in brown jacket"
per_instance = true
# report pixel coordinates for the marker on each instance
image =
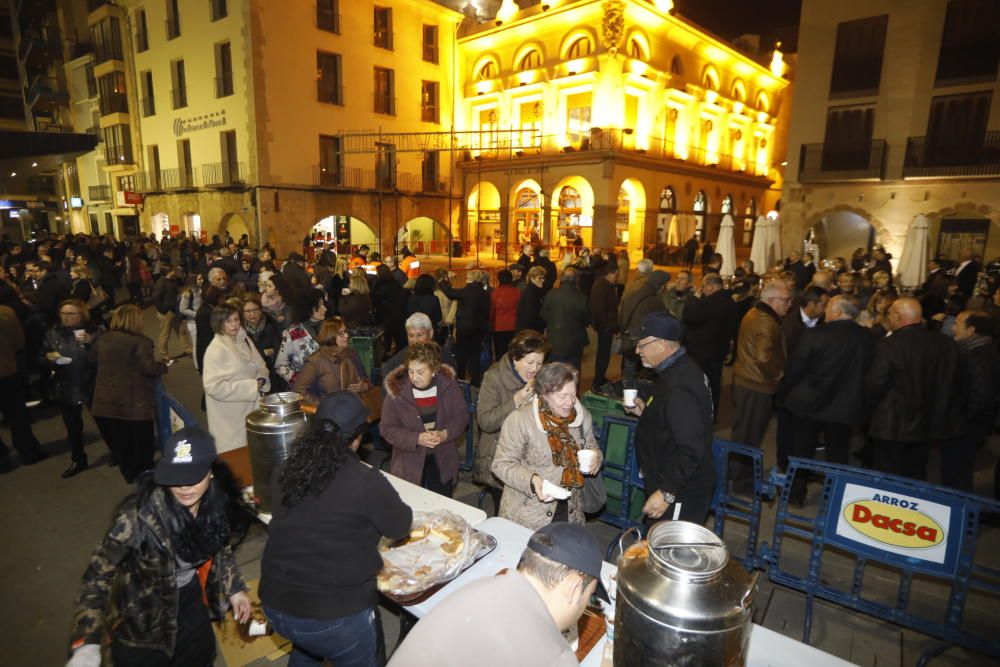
(760, 363)
(12, 395)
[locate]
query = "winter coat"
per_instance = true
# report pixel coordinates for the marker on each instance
(329, 370)
(639, 300)
(503, 308)
(428, 304)
(913, 385)
(297, 344)
(269, 338)
(522, 451)
(980, 383)
(73, 382)
(710, 324)
(825, 375)
(11, 341)
(400, 425)
(356, 309)
(473, 312)
(130, 586)
(496, 402)
(390, 300)
(126, 376)
(53, 289)
(165, 295)
(760, 351)
(230, 374)
(449, 308)
(295, 275)
(604, 306)
(550, 271)
(566, 316)
(189, 303)
(529, 309)
(203, 333)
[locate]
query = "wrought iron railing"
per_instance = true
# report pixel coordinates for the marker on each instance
(927, 158)
(850, 161)
(223, 174)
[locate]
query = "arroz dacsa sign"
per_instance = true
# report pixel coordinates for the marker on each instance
(893, 522)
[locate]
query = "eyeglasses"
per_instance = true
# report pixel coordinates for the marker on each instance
(648, 342)
(251, 310)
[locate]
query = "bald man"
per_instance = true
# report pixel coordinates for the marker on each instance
(912, 387)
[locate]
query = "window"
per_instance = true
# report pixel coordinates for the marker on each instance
(848, 141)
(88, 72)
(173, 20)
(636, 50)
(117, 145)
(750, 219)
(153, 151)
(581, 47)
(328, 78)
(179, 80)
(126, 183)
(230, 172)
(218, 9)
(970, 43)
(676, 66)
(700, 208)
(430, 44)
(223, 70)
(185, 168)
(486, 71)
(429, 111)
(385, 91)
(727, 205)
(327, 16)
(857, 61)
(148, 98)
(141, 32)
(331, 161)
(531, 60)
(383, 28)
(430, 171)
(113, 98)
(578, 117)
(956, 130)
(385, 166)
(107, 40)
(668, 201)
(11, 106)
(530, 117)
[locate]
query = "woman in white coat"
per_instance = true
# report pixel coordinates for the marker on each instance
(234, 376)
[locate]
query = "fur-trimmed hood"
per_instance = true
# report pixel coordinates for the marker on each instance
(397, 381)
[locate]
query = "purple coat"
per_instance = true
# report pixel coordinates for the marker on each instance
(401, 425)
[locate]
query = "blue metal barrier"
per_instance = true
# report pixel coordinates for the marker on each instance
(171, 416)
(728, 506)
(624, 471)
(913, 528)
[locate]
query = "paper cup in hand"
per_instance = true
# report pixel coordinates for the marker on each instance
(78, 334)
(630, 395)
(588, 461)
(554, 491)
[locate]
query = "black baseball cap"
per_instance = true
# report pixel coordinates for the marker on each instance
(659, 325)
(658, 278)
(344, 409)
(573, 546)
(187, 457)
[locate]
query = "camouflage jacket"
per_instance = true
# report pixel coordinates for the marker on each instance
(129, 588)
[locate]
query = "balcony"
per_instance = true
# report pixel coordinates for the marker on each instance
(176, 179)
(820, 163)
(349, 178)
(39, 49)
(42, 96)
(114, 103)
(223, 174)
(98, 193)
(930, 159)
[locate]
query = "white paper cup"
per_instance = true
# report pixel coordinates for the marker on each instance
(630, 396)
(554, 490)
(588, 460)
(78, 334)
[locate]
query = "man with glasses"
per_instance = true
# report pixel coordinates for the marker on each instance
(265, 334)
(760, 364)
(674, 436)
(51, 288)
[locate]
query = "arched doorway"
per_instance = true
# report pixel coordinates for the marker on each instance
(483, 211)
(668, 208)
(839, 233)
(631, 214)
(191, 223)
(749, 219)
(235, 225)
(573, 213)
(424, 236)
(700, 208)
(528, 205)
(347, 232)
(161, 225)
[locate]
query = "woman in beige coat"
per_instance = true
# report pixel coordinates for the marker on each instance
(541, 442)
(234, 375)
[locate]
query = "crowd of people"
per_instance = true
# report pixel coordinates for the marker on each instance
(830, 352)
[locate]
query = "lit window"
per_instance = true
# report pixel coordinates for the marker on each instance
(531, 60)
(581, 47)
(486, 71)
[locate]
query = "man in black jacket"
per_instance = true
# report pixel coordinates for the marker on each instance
(472, 319)
(52, 289)
(825, 381)
(166, 294)
(566, 316)
(674, 436)
(911, 386)
(967, 273)
(294, 273)
(635, 305)
(604, 319)
(979, 393)
(711, 319)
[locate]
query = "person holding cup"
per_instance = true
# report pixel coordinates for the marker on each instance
(546, 448)
(65, 350)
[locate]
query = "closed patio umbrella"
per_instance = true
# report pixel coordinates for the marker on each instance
(674, 232)
(725, 247)
(913, 263)
(758, 249)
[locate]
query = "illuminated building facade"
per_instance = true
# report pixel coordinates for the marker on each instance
(896, 114)
(603, 120)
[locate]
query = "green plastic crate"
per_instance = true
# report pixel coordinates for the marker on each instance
(615, 501)
(365, 347)
(598, 406)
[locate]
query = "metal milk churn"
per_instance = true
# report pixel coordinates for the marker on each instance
(271, 430)
(681, 601)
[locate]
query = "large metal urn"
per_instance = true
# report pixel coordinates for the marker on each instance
(271, 430)
(681, 602)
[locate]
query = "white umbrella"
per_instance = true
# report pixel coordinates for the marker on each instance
(774, 242)
(758, 249)
(674, 232)
(913, 263)
(725, 246)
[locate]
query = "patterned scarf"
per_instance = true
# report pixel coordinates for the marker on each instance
(562, 444)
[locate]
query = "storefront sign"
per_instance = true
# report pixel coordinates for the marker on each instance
(76, 202)
(27, 203)
(133, 198)
(881, 519)
(207, 121)
(489, 216)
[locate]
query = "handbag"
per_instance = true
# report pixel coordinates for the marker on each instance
(97, 296)
(595, 496)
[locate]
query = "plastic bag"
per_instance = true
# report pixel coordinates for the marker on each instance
(441, 544)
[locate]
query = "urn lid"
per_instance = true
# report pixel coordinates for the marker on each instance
(687, 550)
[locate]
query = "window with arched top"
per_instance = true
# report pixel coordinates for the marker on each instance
(710, 80)
(727, 205)
(700, 208)
(749, 220)
(638, 47)
(581, 46)
(668, 200)
(531, 60)
(676, 66)
(763, 102)
(739, 92)
(569, 198)
(486, 71)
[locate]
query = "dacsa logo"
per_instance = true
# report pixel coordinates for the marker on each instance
(898, 524)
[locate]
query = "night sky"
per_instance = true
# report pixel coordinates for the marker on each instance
(773, 19)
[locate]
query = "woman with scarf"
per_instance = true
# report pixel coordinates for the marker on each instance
(166, 568)
(298, 341)
(275, 296)
(334, 367)
(265, 334)
(541, 442)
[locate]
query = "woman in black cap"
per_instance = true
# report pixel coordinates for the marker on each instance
(167, 567)
(319, 567)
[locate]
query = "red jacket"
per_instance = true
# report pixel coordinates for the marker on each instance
(503, 308)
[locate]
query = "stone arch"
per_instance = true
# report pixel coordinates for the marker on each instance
(635, 215)
(424, 236)
(487, 67)
(348, 231)
(638, 45)
(483, 205)
(192, 224)
(564, 217)
(836, 242)
(236, 226)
